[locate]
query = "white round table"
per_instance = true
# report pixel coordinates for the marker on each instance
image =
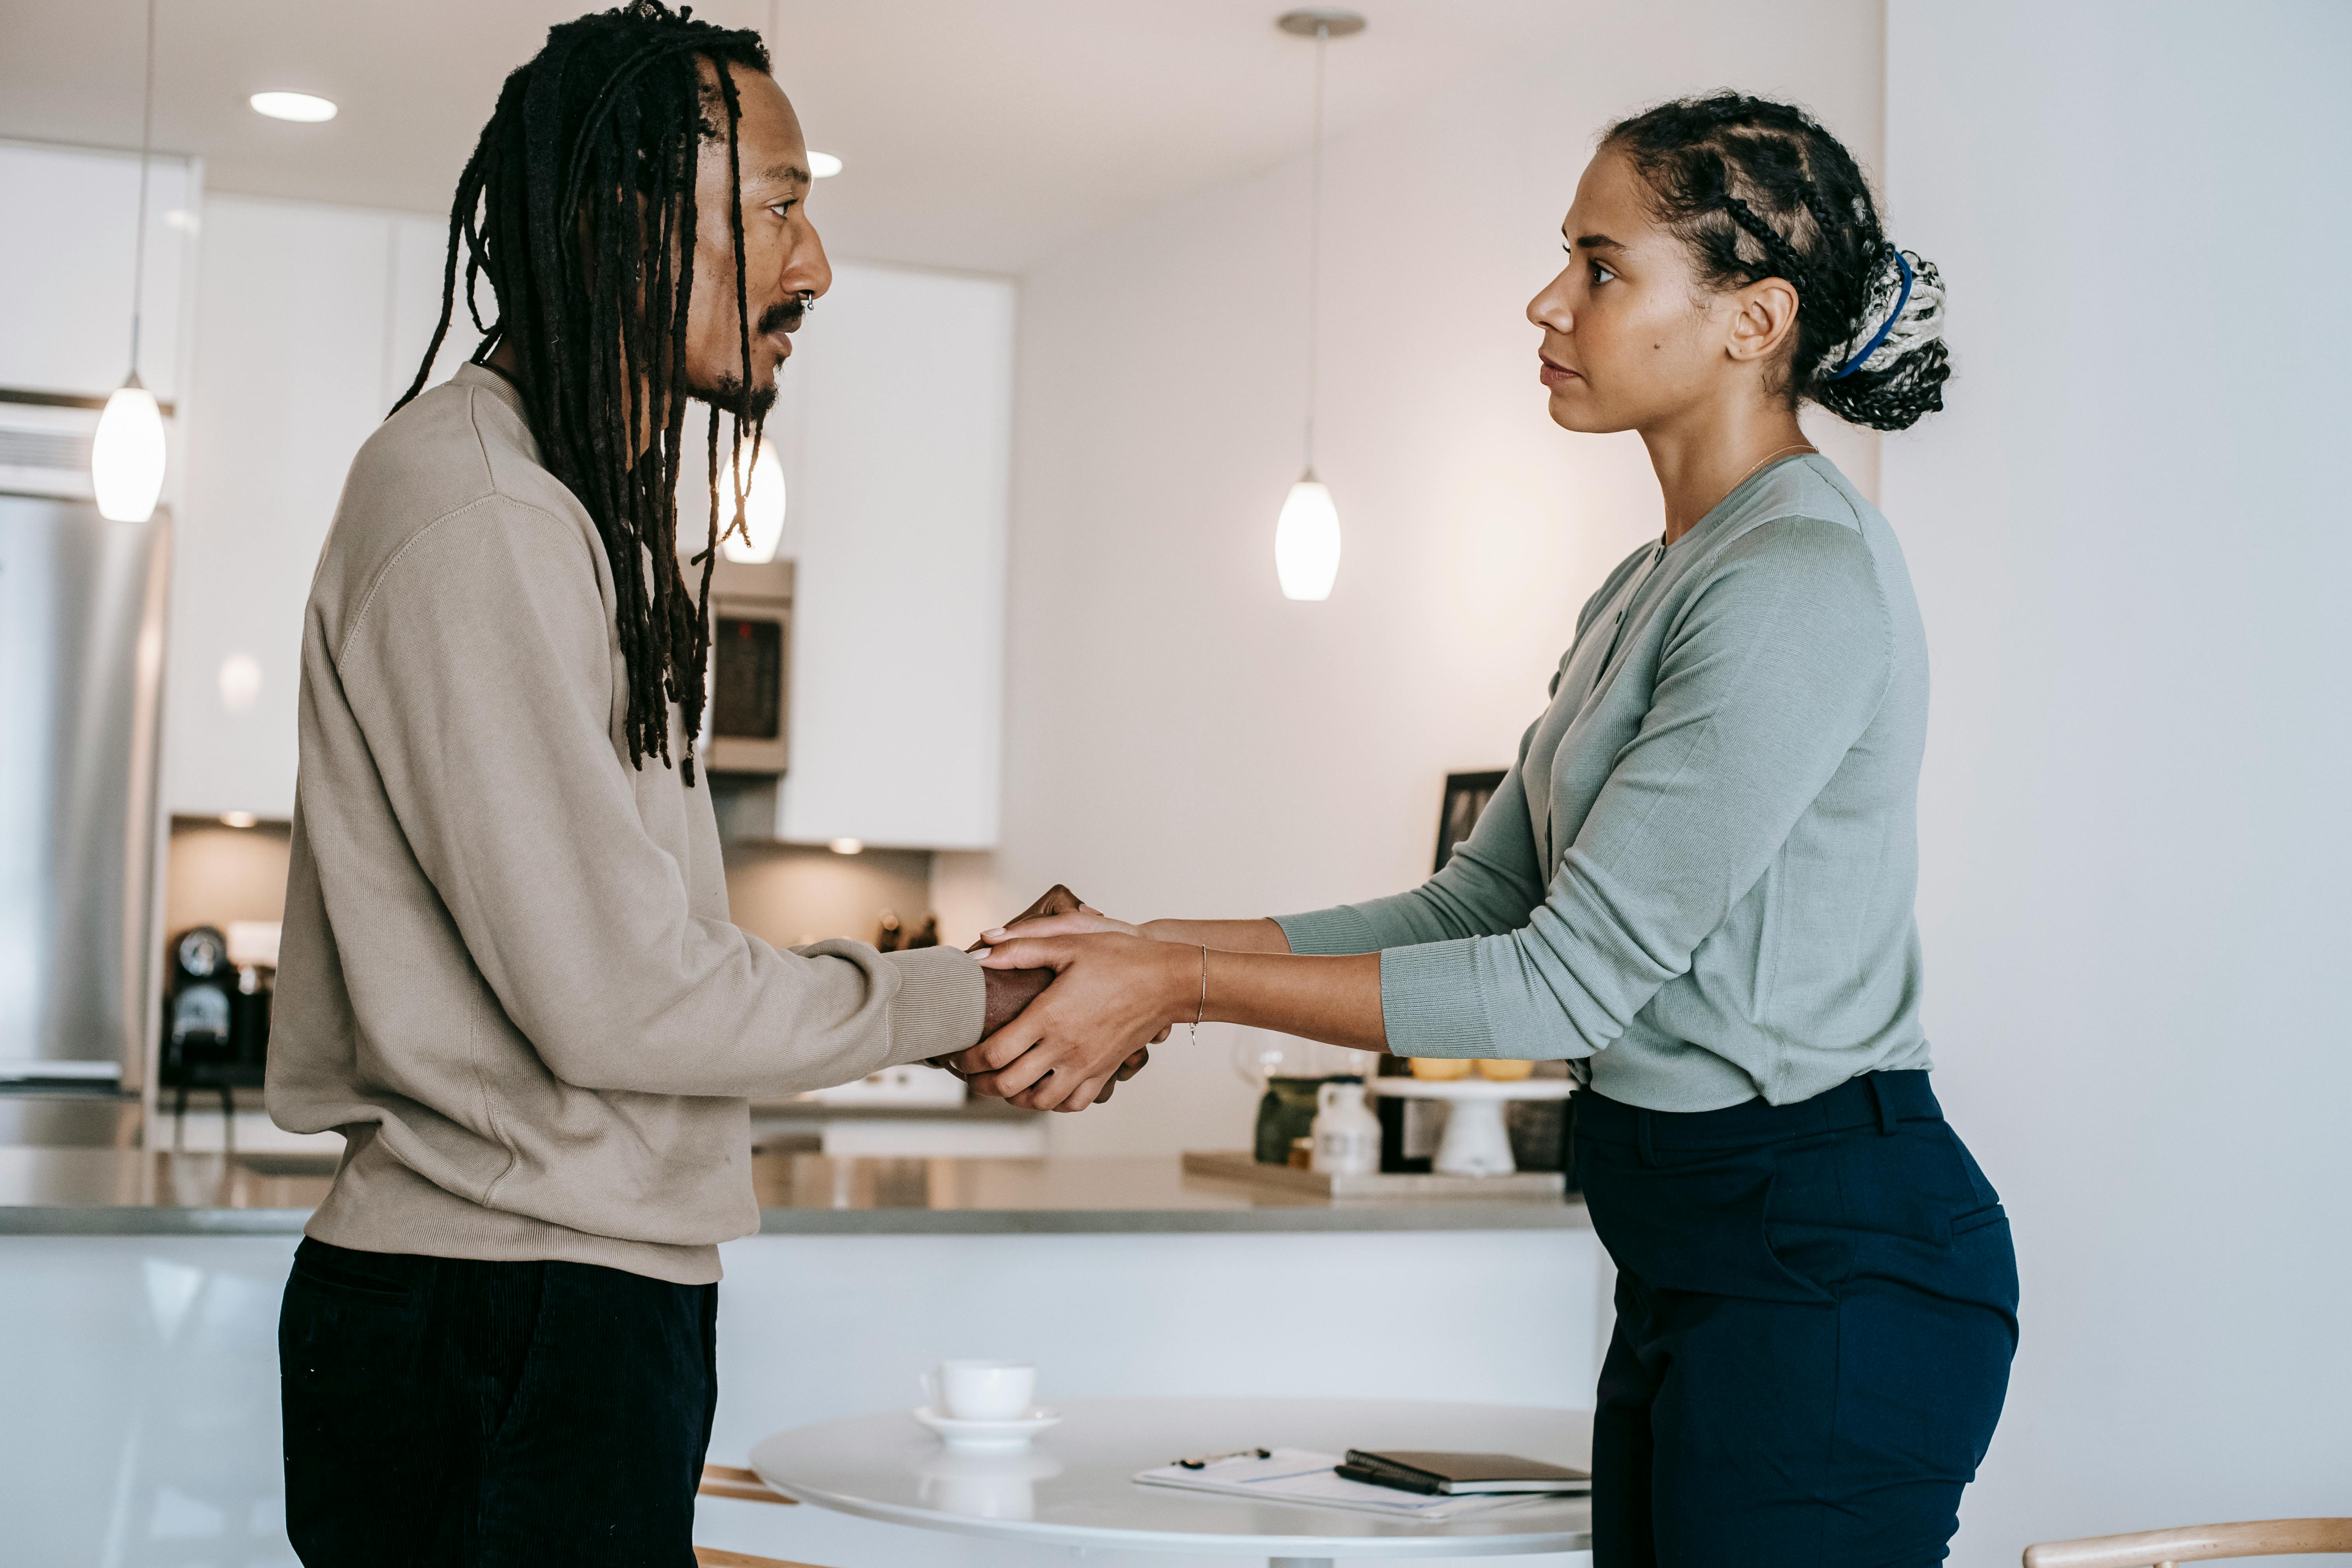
(1074, 1487)
(1475, 1143)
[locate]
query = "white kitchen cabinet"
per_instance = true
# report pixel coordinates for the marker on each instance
(66, 269)
(896, 431)
(308, 324)
(290, 318)
(66, 274)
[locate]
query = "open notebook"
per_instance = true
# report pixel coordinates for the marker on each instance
(1303, 1476)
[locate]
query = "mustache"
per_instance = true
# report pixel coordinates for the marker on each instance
(786, 315)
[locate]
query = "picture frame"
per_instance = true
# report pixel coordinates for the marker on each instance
(1466, 795)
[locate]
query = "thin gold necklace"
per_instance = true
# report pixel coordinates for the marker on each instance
(1781, 451)
(1778, 452)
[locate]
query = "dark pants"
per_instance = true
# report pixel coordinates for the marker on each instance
(1816, 1309)
(441, 1411)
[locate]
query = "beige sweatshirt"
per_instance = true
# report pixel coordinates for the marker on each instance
(508, 975)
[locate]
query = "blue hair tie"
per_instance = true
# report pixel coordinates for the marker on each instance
(1870, 348)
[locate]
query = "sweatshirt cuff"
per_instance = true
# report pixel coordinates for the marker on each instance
(943, 999)
(1431, 1002)
(1330, 934)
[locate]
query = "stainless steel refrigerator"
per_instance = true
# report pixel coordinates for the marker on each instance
(82, 611)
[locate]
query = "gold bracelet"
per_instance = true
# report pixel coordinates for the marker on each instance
(1202, 1011)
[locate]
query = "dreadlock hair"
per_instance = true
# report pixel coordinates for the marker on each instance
(1758, 189)
(578, 205)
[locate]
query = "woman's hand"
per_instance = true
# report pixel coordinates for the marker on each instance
(1085, 920)
(1009, 992)
(1112, 994)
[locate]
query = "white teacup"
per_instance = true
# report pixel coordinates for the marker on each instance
(982, 1390)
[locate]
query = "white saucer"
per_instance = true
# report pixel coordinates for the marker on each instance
(987, 1436)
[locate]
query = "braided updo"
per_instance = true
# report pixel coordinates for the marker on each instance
(1757, 189)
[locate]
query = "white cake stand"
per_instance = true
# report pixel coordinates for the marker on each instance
(1475, 1143)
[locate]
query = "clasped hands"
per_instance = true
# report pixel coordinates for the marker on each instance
(1075, 1002)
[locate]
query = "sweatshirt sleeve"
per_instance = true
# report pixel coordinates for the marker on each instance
(1771, 674)
(479, 669)
(1487, 887)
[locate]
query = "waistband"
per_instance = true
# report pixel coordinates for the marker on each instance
(1879, 1099)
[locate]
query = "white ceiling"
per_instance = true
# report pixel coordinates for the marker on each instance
(977, 133)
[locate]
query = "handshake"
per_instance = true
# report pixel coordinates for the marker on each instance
(1075, 1002)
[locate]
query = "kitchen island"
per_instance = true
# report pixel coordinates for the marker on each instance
(139, 1296)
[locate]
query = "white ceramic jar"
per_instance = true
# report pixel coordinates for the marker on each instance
(1346, 1134)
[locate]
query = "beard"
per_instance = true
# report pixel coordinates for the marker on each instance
(731, 396)
(728, 394)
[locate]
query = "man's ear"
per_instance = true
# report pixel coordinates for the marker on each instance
(1763, 321)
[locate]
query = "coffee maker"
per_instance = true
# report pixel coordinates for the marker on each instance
(216, 1014)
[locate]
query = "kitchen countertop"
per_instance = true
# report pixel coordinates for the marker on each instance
(129, 1192)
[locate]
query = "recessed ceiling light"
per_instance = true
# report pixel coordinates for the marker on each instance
(823, 166)
(238, 819)
(296, 106)
(849, 847)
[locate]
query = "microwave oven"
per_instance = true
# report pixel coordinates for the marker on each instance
(747, 715)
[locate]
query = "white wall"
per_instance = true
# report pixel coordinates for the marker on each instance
(2130, 537)
(1179, 739)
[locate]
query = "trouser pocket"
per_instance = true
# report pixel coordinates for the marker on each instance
(353, 1394)
(1692, 1222)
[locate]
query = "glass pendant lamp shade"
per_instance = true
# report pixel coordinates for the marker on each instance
(763, 513)
(126, 458)
(1306, 540)
(126, 455)
(1306, 534)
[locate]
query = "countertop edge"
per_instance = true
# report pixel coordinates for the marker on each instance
(133, 1220)
(126, 1219)
(1423, 1215)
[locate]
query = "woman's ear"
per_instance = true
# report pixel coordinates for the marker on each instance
(1763, 321)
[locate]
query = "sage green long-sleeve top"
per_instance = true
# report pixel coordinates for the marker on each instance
(1696, 884)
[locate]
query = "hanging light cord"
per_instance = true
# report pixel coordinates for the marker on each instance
(1314, 247)
(139, 240)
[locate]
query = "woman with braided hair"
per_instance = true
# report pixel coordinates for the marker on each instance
(1695, 887)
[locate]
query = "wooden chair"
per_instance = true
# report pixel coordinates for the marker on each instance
(2195, 1543)
(729, 1481)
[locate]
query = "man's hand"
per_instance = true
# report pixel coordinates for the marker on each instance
(1058, 899)
(1010, 990)
(1111, 995)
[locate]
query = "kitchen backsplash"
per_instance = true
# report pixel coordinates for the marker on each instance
(786, 894)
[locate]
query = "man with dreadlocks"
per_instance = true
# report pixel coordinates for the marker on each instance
(509, 977)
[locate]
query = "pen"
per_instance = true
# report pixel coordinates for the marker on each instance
(1208, 1459)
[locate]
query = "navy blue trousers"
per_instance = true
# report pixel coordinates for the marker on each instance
(1816, 1309)
(444, 1413)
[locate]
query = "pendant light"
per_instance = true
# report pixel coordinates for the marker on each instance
(1306, 534)
(763, 511)
(126, 458)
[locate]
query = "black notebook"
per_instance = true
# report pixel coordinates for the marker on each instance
(1419, 1470)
